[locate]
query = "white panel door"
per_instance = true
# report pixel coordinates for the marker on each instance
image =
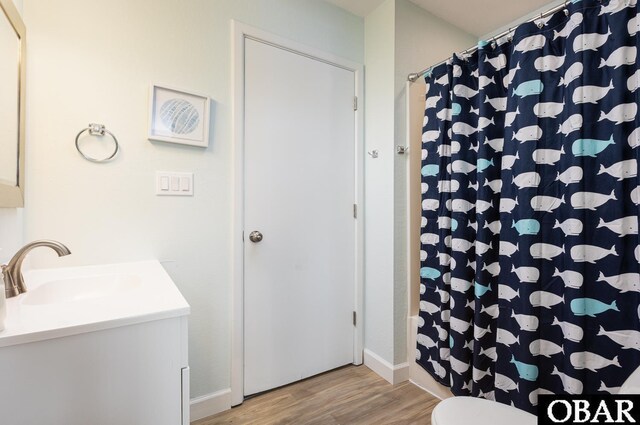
(299, 280)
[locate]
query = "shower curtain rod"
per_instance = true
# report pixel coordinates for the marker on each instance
(414, 76)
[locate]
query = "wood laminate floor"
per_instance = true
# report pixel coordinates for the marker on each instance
(350, 395)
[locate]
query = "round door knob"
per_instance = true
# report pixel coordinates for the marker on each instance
(255, 236)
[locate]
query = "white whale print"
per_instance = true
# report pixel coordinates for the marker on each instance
(622, 113)
(526, 322)
(509, 160)
(498, 103)
(545, 251)
(507, 204)
(623, 226)
(590, 94)
(543, 347)
(496, 144)
(621, 170)
(526, 134)
(574, 22)
(504, 383)
(635, 195)
(448, 186)
(591, 200)
(509, 77)
(531, 43)
(462, 205)
(570, 331)
(570, 227)
(507, 338)
(495, 185)
(627, 339)
(461, 90)
(547, 156)
(574, 72)
(432, 101)
(461, 245)
(545, 299)
(626, 282)
(549, 63)
(591, 253)
(483, 206)
(484, 81)
(507, 293)
(463, 128)
(493, 268)
(494, 226)
(570, 278)
(499, 62)
(428, 307)
(528, 179)
(570, 385)
(430, 204)
(571, 175)
(546, 203)
(571, 124)
(548, 109)
(625, 55)
(430, 136)
(526, 274)
(590, 41)
(510, 117)
(494, 312)
(507, 248)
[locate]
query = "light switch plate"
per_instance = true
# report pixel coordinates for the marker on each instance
(169, 183)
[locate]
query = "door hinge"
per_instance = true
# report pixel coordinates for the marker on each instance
(354, 318)
(355, 103)
(355, 210)
(243, 236)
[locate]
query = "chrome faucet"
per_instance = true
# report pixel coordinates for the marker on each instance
(12, 272)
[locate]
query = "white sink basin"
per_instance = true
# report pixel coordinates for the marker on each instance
(74, 300)
(81, 289)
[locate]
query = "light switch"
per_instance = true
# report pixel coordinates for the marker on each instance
(174, 184)
(164, 183)
(185, 184)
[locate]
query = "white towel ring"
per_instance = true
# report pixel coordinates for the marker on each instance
(97, 130)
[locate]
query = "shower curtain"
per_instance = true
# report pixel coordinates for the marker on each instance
(529, 272)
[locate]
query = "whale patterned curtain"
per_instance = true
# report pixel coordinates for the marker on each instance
(529, 243)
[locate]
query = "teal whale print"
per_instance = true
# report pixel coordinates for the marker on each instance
(429, 273)
(590, 147)
(527, 226)
(591, 307)
(456, 108)
(454, 224)
(483, 164)
(525, 370)
(480, 290)
(450, 341)
(430, 170)
(528, 88)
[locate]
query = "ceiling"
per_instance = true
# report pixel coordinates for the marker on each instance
(476, 17)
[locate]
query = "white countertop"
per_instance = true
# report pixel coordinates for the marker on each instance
(145, 292)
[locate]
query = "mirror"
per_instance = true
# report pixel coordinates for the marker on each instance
(12, 105)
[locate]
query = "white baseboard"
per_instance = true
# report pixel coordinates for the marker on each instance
(394, 374)
(210, 404)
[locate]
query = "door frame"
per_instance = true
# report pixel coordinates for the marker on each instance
(240, 32)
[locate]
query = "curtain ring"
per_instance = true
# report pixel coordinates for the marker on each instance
(494, 43)
(510, 35)
(566, 9)
(540, 23)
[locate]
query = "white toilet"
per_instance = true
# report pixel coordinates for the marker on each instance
(478, 411)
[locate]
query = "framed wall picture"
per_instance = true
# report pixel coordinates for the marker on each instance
(177, 116)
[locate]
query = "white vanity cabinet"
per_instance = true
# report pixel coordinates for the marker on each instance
(104, 358)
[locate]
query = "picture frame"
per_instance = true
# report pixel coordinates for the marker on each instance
(178, 116)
